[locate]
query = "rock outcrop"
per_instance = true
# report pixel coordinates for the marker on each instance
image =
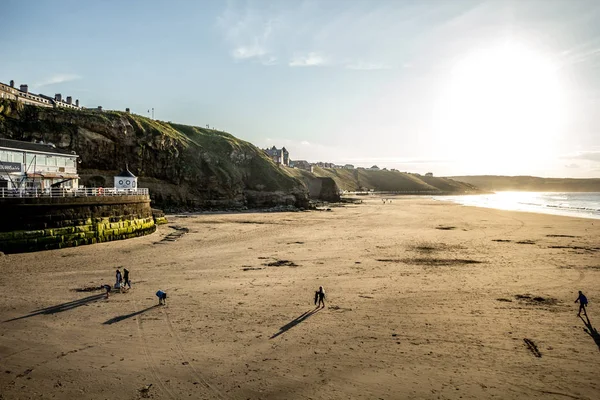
(183, 166)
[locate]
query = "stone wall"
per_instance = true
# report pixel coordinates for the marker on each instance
(32, 224)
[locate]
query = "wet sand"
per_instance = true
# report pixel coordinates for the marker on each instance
(425, 300)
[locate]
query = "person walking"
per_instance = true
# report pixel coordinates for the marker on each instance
(320, 297)
(126, 280)
(119, 279)
(583, 301)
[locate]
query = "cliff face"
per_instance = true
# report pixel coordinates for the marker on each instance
(183, 166)
(386, 181)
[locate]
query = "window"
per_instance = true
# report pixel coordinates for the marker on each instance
(29, 159)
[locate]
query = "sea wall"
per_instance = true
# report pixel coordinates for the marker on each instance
(33, 224)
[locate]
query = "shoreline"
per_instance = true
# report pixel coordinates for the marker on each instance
(539, 209)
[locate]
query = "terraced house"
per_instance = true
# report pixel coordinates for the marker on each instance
(22, 94)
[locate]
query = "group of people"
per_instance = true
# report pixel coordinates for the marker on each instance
(123, 283)
(121, 280)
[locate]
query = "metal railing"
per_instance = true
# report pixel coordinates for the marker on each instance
(71, 192)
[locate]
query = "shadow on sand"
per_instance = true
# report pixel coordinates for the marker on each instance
(296, 321)
(593, 332)
(126, 316)
(62, 307)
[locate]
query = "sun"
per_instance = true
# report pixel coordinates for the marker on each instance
(501, 104)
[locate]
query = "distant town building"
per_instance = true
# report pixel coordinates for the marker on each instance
(323, 164)
(374, 168)
(429, 174)
(24, 96)
(301, 164)
(279, 156)
(348, 166)
(36, 165)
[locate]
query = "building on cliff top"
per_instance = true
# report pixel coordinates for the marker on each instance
(301, 164)
(26, 165)
(23, 95)
(279, 156)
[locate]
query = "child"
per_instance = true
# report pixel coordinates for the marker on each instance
(582, 303)
(320, 297)
(162, 297)
(107, 288)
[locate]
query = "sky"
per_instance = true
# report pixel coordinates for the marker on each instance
(460, 87)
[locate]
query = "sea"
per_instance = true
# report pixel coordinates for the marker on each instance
(583, 205)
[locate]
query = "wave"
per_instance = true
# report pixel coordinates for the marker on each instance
(586, 205)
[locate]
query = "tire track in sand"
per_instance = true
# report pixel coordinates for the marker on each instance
(179, 347)
(148, 358)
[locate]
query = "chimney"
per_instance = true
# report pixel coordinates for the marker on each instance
(69, 100)
(24, 88)
(12, 83)
(77, 103)
(58, 97)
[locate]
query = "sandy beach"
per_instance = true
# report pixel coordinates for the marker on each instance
(425, 300)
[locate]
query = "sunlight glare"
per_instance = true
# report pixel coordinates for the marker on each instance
(501, 103)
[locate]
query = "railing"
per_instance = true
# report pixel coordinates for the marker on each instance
(68, 192)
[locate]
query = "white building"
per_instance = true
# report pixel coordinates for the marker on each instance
(126, 180)
(36, 165)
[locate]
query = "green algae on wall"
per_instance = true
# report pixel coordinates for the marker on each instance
(33, 224)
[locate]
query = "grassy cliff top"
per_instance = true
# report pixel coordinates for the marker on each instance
(208, 164)
(384, 180)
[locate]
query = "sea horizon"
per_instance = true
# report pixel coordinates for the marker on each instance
(570, 204)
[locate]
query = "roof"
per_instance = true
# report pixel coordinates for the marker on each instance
(30, 146)
(126, 173)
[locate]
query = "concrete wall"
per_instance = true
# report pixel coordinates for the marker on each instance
(32, 224)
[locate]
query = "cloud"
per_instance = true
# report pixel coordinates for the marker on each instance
(248, 32)
(58, 78)
(584, 155)
(336, 35)
(307, 60)
(571, 166)
(305, 143)
(365, 66)
(244, 52)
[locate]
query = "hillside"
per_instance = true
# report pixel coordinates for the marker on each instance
(386, 181)
(183, 166)
(531, 183)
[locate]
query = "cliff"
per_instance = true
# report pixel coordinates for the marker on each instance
(183, 166)
(386, 181)
(531, 183)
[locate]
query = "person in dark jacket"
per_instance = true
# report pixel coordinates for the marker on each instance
(107, 288)
(162, 297)
(320, 297)
(126, 280)
(582, 303)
